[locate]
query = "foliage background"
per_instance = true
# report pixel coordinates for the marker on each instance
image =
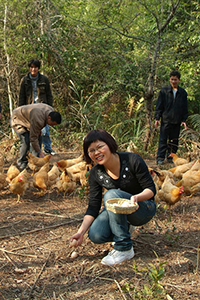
(106, 61)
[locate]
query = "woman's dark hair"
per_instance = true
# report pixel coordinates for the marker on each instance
(55, 117)
(34, 62)
(101, 135)
(175, 73)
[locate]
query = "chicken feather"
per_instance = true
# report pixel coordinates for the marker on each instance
(169, 192)
(53, 176)
(178, 161)
(19, 184)
(36, 163)
(179, 170)
(12, 173)
(63, 164)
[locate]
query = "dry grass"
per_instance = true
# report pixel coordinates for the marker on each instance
(36, 263)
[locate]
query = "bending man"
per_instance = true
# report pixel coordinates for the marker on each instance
(28, 121)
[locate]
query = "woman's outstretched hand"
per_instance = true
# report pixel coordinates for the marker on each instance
(76, 240)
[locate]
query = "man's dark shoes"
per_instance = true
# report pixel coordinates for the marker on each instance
(52, 152)
(170, 160)
(160, 162)
(22, 166)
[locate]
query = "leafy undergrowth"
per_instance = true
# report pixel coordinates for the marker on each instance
(36, 263)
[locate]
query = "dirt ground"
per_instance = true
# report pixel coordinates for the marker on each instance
(36, 263)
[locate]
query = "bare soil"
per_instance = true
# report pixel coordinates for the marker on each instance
(36, 263)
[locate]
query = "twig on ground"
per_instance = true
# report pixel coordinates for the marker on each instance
(10, 260)
(173, 285)
(140, 241)
(37, 244)
(197, 267)
(19, 254)
(48, 214)
(7, 226)
(117, 283)
(40, 229)
(119, 287)
(43, 267)
(190, 247)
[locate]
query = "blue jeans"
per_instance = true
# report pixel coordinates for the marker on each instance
(111, 227)
(46, 140)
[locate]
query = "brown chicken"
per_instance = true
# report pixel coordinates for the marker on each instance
(35, 163)
(65, 184)
(66, 187)
(178, 160)
(74, 176)
(19, 184)
(195, 189)
(169, 192)
(85, 175)
(12, 173)
(53, 176)
(191, 180)
(40, 179)
(156, 197)
(195, 167)
(63, 164)
(160, 176)
(179, 170)
(81, 166)
(80, 176)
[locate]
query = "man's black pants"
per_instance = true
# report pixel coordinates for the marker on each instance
(168, 139)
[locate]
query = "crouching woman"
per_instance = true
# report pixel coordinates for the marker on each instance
(123, 175)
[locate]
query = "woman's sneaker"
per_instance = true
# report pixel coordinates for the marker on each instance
(117, 257)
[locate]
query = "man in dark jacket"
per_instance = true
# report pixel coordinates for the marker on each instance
(172, 109)
(35, 88)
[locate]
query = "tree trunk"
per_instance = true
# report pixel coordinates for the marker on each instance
(7, 65)
(148, 97)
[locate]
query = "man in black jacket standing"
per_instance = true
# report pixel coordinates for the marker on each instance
(35, 88)
(172, 109)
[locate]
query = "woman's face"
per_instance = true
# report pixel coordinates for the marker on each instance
(99, 152)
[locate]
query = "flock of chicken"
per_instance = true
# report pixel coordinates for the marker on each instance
(183, 178)
(171, 184)
(63, 175)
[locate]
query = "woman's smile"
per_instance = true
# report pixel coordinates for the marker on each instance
(98, 151)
